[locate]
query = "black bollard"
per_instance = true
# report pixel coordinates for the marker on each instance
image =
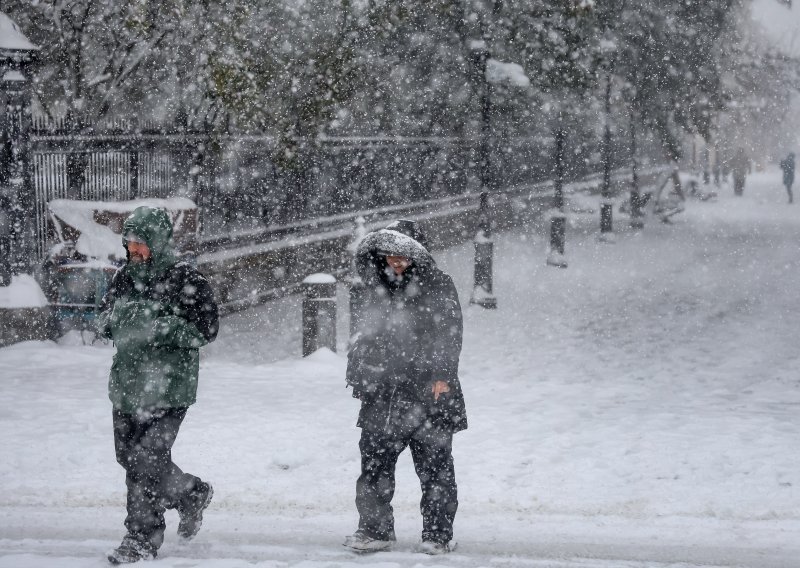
(637, 206)
(607, 234)
(319, 313)
(558, 219)
(606, 202)
(484, 251)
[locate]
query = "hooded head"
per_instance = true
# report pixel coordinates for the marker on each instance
(152, 227)
(402, 238)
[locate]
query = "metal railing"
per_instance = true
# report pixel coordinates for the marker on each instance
(243, 191)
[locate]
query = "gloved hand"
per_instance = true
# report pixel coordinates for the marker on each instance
(131, 321)
(174, 331)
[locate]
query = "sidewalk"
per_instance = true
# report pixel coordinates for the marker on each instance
(639, 408)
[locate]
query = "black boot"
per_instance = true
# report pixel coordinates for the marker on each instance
(191, 511)
(132, 549)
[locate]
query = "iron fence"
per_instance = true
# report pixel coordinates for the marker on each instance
(240, 187)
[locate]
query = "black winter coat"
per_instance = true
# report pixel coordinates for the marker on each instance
(410, 337)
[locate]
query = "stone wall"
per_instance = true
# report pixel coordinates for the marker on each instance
(26, 324)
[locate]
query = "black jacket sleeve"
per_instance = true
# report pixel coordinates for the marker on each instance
(447, 338)
(114, 291)
(196, 299)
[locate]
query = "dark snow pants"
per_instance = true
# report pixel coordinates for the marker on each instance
(143, 445)
(431, 450)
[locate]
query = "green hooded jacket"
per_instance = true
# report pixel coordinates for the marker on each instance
(159, 313)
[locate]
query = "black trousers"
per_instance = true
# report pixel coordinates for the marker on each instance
(431, 450)
(143, 444)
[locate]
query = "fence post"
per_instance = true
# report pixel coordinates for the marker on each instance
(357, 286)
(319, 313)
(133, 171)
(213, 158)
(484, 250)
(76, 159)
(201, 174)
(180, 155)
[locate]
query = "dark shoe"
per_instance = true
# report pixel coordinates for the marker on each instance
(191, 513)
(360, 541)
(434, 548)
(133, 549)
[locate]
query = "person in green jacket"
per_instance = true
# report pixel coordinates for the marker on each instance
(159, 311)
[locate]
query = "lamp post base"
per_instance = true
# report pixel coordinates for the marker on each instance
(608, 238)
(482, 298)
(557, 259)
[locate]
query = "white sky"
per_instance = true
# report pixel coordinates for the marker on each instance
(783, 23)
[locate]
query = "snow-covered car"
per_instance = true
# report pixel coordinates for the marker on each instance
(87, 250)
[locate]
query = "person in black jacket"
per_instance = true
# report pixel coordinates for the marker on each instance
(403, 366)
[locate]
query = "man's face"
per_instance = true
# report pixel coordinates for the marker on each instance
(398, 263)
(139, 252)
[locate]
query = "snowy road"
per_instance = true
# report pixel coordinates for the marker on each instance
(639, 409)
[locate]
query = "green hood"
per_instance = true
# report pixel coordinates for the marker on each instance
(154, 227)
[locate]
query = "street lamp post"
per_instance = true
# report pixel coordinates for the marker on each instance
(482, 294)
(479, 54)
(558, 219)
(606, 204)
(637, 216)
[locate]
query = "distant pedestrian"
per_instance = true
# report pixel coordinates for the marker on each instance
(403, 366)
(159, 312)
(724, 166)
(787, 165)
(740, 166)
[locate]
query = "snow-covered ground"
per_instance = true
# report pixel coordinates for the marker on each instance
(640, 408)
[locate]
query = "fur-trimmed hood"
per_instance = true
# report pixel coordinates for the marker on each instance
(376, 245)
